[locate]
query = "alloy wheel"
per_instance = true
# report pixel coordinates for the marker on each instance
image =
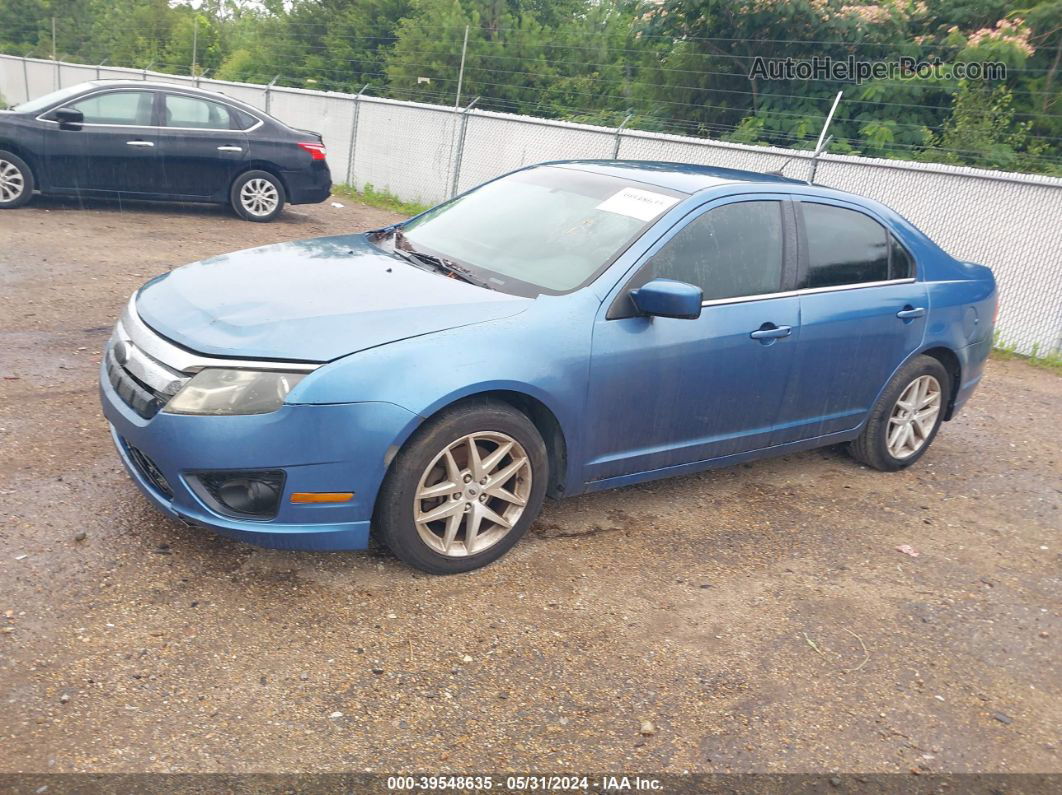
(472, 494)
(913, 417)
(12, 183)
(259, 196)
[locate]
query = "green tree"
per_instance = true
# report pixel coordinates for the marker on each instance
(982, 131)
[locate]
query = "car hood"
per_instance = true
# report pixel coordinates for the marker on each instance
(311, 300)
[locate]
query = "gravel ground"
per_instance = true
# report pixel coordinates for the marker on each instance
(760, 618)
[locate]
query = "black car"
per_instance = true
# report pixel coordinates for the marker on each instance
(149, 140)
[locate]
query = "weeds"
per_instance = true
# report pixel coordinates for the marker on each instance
(383, 199)
(1004, 350)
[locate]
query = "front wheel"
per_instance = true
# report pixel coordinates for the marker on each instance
(257, 196)
(906, 418)
(464, 489)
(16, 181)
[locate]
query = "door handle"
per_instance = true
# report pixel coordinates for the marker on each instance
(230, 148)
(769, 331)
(911, 312)
(139, 143)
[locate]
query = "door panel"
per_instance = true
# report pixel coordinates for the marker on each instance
(861, 314)
(665, 392)
(115, 150)
(851, 341)
(199, 158)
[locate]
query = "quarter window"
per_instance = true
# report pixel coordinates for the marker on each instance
(181, 111)
(118, 107)
(900, 265)
(844, 247)
(729, 252)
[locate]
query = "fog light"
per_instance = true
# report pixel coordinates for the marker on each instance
(249, 493)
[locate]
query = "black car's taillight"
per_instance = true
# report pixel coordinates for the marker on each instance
(317, 151)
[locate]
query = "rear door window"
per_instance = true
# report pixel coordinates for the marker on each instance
(195, 113)
(844, 247)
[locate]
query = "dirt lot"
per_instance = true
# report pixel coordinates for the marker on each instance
(761, 617)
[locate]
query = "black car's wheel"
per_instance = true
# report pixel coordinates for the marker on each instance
(16, 181)
(257, 196)
(464, 489)
(906, 418)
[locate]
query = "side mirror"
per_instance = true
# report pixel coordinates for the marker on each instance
(668, 298)
(67, 116)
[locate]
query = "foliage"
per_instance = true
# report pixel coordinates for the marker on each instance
(681, 66)
(383, 199)
(982, 130)
(1005, 351)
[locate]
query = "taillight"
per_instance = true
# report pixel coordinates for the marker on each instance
(317, 151)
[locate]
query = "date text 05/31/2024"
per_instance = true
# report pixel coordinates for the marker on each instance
(516, 783)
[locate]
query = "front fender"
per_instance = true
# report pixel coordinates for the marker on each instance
(543, 353)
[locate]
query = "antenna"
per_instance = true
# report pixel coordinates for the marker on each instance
(823, 141)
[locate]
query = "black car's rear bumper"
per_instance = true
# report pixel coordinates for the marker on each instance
(309, 185)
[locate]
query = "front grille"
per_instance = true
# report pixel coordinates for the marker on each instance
(136, 394)
(146, 467)
(142, 382)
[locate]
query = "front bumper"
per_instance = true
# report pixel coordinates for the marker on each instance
(340, 447)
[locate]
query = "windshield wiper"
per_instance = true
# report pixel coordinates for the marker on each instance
(404, 247)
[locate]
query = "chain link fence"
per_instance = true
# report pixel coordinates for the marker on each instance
(426, 153)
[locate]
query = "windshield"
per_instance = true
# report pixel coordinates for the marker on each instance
(543, 230)
(40, 103)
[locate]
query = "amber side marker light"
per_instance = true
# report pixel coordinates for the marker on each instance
(306, 497)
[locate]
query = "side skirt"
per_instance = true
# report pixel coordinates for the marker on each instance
(719, 463)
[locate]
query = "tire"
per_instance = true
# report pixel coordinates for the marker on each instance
(888, 416)
(16, 181)
(422, 463)
(257, 196)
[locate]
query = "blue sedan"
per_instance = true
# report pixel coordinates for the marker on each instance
(566, 328)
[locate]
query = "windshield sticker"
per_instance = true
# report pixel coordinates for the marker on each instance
(636, 203)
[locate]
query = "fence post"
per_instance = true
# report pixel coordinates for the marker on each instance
(269, 92)
(101, 63)
(146, 68)
(354, 135)
(619, 132)
(461, 147)
(25, 76)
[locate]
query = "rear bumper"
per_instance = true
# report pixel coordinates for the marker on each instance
(319, 448)
(972, 360)
(310, 185)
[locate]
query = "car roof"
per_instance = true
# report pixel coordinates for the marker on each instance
(163, 85)
(106, 82)
(683, 177)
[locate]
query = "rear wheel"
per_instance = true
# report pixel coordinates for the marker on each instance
(16, 181)
(464, 489)
(257, 196)
(906, 418)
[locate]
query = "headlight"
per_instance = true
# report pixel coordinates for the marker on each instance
(216, 391)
